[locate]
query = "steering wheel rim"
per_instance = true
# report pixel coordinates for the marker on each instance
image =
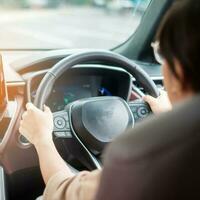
(65, 64)
(62, 66)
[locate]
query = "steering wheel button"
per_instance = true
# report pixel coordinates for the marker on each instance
(143, 112)
(67, 125)
(59, 123)
(63, 134)
(133, 108)
(68, 134)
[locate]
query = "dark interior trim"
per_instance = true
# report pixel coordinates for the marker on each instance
(139, 42)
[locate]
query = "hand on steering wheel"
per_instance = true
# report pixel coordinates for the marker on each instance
(159, 104)
(93, 123)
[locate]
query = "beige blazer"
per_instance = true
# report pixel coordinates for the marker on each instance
(83, 186)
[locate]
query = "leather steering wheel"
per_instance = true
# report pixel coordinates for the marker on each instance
(96, 121)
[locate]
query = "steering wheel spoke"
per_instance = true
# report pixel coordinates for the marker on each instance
(137, 91)
(140, 109)
(61, 124)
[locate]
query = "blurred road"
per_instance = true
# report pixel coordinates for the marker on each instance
(74, 27)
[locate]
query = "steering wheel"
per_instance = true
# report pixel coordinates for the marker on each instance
(95, 122)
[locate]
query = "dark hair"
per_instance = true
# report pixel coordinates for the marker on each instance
(179, 38)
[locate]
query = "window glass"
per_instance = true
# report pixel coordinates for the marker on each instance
(58, 24)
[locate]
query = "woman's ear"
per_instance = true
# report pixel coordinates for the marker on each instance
(182, 87)
(173, 83)
(180, 75)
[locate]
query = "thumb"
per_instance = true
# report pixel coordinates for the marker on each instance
(162, 92)
(30, 106)
(47, 110)
(149, 99)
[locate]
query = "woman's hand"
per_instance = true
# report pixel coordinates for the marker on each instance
(160, 104)
(37, 125)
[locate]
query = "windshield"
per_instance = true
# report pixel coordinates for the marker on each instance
(58, 24)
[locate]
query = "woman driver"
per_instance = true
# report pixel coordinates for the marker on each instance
(177, 49)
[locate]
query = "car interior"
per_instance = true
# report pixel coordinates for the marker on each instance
(94, 94)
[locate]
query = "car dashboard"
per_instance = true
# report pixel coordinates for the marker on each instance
(80, 82)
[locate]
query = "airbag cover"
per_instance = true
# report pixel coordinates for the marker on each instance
(97, 121)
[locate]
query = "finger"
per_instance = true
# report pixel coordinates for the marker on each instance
(30, 106)
(24, 115)
(149, 99)
(22, 131)
(21, 123)
(26, 123)
(162, 92)
(47, 109)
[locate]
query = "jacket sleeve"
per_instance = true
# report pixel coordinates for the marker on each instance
(80, 187)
